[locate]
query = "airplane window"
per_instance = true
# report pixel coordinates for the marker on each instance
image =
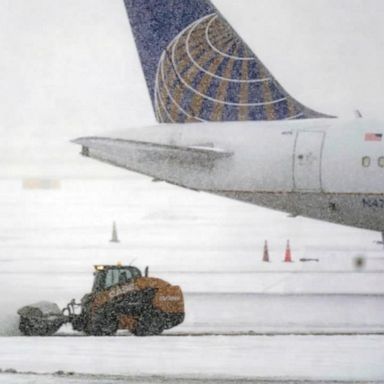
(366, 162)
(381, 162)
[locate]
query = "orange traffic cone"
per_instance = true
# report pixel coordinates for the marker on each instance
(266, 253)
(288, 254)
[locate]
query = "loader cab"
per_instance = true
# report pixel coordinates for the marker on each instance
(107, 276)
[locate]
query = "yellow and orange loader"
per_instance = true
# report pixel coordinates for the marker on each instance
(121, 298)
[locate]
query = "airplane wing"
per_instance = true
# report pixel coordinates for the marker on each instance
(152, 159)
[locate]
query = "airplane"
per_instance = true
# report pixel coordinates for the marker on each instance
(227, 127)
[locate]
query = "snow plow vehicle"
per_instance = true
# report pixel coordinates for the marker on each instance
(121, 298)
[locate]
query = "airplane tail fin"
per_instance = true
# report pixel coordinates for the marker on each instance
(197, 68)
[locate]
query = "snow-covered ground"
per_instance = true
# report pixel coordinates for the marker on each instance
(290, 357)
(70, 69)
(212, 247)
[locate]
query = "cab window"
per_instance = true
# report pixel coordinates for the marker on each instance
(117, 276)
(381, 162)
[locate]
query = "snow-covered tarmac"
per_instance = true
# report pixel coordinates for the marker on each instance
(59, 83)
(107, 379)
(289, 357)
(327, 317)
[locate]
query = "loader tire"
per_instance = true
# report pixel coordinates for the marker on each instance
(102, 325)
(149, 324)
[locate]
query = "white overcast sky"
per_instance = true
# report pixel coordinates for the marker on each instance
(69, 68)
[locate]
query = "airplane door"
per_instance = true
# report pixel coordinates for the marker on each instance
(307, 161)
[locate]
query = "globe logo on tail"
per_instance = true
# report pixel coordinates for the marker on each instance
(207, 73)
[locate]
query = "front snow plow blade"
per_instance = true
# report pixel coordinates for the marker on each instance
(40, 319)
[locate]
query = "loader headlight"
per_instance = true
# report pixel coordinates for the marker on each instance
(99, 267)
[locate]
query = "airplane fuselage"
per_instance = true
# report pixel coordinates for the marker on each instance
(228, 127)
(325, 169)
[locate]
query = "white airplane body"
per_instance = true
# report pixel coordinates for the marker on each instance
(288, 158)
(323, 169)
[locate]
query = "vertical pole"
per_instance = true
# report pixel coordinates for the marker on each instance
(266, 253)
(114, 238)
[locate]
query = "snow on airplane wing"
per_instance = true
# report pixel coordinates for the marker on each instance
(161, 161)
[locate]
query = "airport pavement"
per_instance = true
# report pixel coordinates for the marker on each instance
(49, 240)
(337, 358)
